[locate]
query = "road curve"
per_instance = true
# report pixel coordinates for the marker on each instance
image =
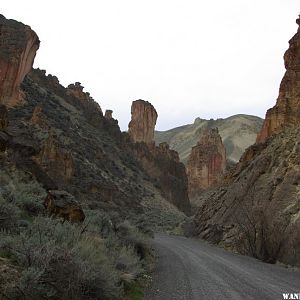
(192, 269)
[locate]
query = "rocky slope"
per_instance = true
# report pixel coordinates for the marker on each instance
(60, 136)
(207, 162)
(258, 211)
(238, 133)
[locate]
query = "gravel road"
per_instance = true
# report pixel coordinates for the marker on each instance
(192, 269)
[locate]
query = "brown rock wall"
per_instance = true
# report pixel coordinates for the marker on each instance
(207, 162)
(286, 112)
(17, 52)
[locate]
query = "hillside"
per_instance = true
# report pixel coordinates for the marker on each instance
(238, 132)
(257, 211)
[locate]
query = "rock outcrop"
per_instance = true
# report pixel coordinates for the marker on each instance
(286, 112)
(76, 90)
(207, 162)
(55, 159)
(17, 52)
(160, 162)
(108, 114)
(61, 204)
(258, 211)
(143, 120)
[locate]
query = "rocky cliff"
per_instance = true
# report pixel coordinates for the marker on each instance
(17, 51)
(286, 112)
(60, 137)
(143, 120)
(160, 162)
(238, 133)
(207, 162)
(258, 211)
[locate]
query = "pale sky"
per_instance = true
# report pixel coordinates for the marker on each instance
(191, 58)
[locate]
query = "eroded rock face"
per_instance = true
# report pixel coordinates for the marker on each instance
(207, 162)
(286, 112)
(166, 172)
(55, 159)
(17, 52)
(160, 162)
(143, 120)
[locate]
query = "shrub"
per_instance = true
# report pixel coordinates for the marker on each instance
(130, 236)
(129, 264)
(99, 223)
(20, 189)
(59, 262)
(8, 215)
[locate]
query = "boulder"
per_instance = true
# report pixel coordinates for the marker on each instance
(61, 204)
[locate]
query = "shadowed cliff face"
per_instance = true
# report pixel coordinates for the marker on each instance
(286, 112)
(207, 162)
(67, 144)
(17, 52)
(258, 211)
(160, 162)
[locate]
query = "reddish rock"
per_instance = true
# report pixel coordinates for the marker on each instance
(286, 112)
(61, 204)
(206, 163)
(17, 52)
(143, 120)
(160, 162)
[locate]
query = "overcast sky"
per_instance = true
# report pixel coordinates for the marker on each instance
(189, 58)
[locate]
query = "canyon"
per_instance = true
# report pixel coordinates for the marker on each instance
(233, 182)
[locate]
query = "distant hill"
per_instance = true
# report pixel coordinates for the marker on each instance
(238, 132)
